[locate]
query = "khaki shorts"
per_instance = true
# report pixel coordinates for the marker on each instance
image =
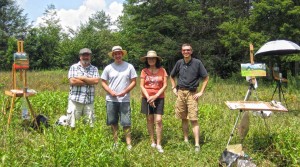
(186, 107)
(77, 110)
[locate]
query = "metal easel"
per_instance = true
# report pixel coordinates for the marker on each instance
(245, 120)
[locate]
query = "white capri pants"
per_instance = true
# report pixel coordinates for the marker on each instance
(76, 110)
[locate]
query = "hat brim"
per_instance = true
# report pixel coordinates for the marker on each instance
(143, 59)
(124, 53)
(89, 53)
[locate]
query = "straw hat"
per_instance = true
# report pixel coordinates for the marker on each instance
(150, 53)
(117, 49)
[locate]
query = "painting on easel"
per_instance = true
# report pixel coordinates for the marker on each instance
(21, 60)
(249, 69)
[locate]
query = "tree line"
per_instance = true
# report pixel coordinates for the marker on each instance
(219, 31)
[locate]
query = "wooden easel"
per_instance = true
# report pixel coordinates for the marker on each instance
(16, 93)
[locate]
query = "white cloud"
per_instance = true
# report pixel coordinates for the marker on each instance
(21, 3)
(114, 10)
(73, 17)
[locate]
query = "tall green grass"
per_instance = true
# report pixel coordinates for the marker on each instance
(277, 145)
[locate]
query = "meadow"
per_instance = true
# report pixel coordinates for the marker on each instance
(278, 145)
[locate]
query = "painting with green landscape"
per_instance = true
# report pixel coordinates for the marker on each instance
(253, 69)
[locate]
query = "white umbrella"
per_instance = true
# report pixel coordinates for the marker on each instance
(278, 47)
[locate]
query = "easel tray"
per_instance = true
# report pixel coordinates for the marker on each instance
(255, 105)
(19, 92)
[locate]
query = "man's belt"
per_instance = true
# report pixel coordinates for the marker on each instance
(189, 89)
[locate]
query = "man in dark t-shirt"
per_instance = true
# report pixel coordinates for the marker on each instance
(188, 71)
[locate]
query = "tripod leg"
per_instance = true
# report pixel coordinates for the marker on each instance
(274, 91)
(236, 121)
(247, 95)
(281, 90)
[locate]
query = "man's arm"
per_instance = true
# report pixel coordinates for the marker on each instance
(76, 82)
(129, 87)
(107, 89)
(173, 83)
(89, 81)
(204, 84)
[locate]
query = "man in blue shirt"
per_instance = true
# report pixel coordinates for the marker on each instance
(189, 71)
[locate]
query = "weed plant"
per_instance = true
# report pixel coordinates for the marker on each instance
(277, 144)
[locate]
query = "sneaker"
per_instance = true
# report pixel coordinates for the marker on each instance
(129, 147)
(115, 145)
(197, 148)
(159, 148)
(153, 145)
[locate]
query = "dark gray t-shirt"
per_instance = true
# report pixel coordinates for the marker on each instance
(189, 74)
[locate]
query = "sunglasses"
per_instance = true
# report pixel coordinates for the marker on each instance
(186, 50)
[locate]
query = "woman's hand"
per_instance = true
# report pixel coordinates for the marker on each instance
(152, 104)
(151, 99)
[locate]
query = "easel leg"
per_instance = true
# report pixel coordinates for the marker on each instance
(236, 121)
(32, 113)
(262, 113)
(11, 109)
(5, 105)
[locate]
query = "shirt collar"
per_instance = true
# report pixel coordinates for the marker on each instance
(188, 63)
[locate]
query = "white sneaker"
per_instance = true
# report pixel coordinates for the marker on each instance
(197, 148)
(129, 147)
(159, 148)
(153, 145)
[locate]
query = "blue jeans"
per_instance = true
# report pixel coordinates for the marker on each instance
(116, 111)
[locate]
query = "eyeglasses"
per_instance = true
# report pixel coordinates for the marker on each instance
(186, 50)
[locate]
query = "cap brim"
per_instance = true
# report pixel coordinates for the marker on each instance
(85, 53)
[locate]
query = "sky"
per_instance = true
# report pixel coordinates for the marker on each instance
(70, 12)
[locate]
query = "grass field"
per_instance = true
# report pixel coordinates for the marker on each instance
(60, 146)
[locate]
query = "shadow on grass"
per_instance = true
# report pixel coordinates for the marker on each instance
(262, 142)
(137, 136)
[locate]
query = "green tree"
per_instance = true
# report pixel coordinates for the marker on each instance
(267, 20)
(97, 36)
(42, 42)
(165, 25)
(13, 24)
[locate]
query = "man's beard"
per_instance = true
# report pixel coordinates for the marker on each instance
(85, 62)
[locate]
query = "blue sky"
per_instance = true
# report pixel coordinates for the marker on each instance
(70, 12)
